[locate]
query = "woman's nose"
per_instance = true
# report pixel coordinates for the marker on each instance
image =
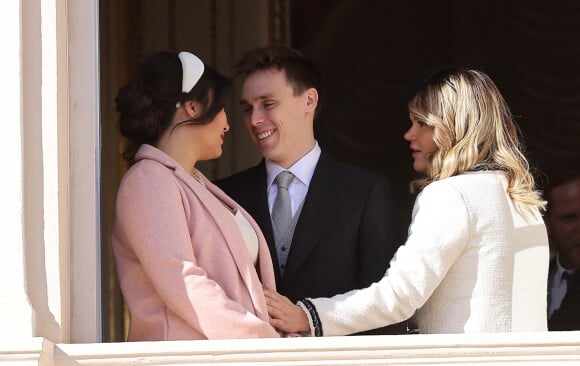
(409, 135)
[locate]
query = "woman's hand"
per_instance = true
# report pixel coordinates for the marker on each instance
(284, 315)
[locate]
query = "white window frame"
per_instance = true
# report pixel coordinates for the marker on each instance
(84, 157)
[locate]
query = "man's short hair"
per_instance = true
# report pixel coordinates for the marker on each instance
(301, 73)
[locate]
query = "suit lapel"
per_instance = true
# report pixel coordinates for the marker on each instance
(233, 239)
(551, 271)
(209, 197)
(256, 203)
(321, 204)
(241, 256)
(260, 205)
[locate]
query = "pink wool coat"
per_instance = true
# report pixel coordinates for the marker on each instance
(183, 266)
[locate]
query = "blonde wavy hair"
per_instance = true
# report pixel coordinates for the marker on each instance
(473, 130)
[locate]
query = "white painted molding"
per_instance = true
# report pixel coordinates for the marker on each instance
(16, 315)
(84, 150)
(31, 351)
(557, 348)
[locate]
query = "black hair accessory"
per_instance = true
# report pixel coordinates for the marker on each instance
(437, 73)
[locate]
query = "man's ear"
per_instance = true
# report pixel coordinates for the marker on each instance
(311, 99)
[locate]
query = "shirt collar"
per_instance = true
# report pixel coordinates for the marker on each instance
(561, 270)
(303, 169)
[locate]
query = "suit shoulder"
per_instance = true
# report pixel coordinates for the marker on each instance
(355, 173)
(241, 177)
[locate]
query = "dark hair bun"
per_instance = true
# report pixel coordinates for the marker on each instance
(139, 117)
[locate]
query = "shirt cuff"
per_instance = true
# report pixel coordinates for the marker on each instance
(312, 315)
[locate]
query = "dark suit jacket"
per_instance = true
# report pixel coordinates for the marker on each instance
(567, 317)
(345, 236)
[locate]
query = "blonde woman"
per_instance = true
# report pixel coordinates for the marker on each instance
(476, 257)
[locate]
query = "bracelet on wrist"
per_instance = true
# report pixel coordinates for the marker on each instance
(314, 316)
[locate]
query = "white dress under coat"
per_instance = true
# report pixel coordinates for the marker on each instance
(471, 264)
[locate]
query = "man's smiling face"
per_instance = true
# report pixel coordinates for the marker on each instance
(277, 120)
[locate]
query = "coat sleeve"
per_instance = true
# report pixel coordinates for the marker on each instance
(152, 220)
(438, 235)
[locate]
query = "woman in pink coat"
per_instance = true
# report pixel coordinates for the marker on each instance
(191, 262)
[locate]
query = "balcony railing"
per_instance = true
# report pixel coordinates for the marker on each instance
(555, 348)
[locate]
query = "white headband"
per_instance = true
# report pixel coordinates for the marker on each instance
(192, 70)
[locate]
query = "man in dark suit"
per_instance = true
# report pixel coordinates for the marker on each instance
(563, 223)
(341, 233)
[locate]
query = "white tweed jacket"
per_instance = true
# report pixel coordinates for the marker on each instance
(471, 264)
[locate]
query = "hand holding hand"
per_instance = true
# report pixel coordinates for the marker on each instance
(284, 315)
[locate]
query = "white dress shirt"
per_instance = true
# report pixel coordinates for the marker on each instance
(303, 171)
(248, 234)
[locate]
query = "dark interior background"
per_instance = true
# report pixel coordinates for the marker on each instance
(370, 52)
